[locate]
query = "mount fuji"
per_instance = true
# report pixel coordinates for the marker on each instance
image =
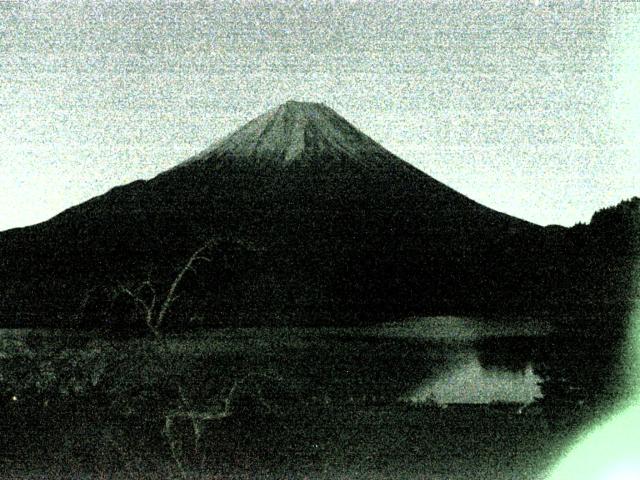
(345, 232)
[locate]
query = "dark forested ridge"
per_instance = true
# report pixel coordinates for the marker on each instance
(314, 223)
(601, 262)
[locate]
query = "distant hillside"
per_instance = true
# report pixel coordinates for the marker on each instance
(602, 258)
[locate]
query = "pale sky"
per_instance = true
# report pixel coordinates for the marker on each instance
(531, 108)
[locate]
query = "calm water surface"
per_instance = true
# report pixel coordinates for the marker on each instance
(487, 362)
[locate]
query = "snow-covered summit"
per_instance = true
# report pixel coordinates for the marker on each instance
(298, 133)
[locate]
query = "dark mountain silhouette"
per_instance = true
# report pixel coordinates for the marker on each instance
(344, 232)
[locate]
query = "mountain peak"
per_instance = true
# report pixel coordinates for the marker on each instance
(296, 105)
(297, 133)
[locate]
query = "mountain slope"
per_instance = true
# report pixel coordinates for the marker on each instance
(348, 233)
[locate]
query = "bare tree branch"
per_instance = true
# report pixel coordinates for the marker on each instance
(154, 308)
(146, 309)
(77, 316)
(199, 417)
(171, 296)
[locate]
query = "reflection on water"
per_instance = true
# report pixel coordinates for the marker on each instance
(486, 360)
(470, 382)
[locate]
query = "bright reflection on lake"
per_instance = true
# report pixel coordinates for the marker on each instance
(470, 382)
(487, 361)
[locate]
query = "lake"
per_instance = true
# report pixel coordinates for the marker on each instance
(436, 359)
(336, 395)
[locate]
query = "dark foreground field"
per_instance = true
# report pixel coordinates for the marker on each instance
(300, 403)
(465, 442)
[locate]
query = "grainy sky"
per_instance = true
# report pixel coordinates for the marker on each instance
(531, 108)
